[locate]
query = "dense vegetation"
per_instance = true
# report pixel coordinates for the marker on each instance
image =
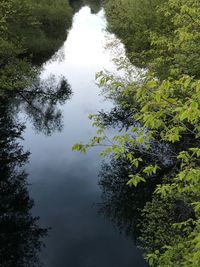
(54, 18)
(158, 107)
(39, 27)
(158, 34)
(30, 32)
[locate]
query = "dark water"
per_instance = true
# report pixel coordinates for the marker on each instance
(64, 184)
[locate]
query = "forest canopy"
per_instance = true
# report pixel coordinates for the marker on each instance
(39, 26)
(30, 33)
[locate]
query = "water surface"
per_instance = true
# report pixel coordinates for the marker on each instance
(64, 184)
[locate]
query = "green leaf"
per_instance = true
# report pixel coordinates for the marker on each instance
(135, 180)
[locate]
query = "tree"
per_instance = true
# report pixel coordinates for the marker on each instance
(31, 32)
(163, 107)
(20, 233)
(161, 35)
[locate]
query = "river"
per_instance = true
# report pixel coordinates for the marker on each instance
(64, 184)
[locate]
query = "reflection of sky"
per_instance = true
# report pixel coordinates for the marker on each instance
(64, 183)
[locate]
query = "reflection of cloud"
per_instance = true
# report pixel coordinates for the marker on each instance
(65, 183)
(79, 237)
(85, 41)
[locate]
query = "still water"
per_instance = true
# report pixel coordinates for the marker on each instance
(64, 184)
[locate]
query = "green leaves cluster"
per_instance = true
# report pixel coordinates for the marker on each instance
(163, 138)
(53, 19)
(162, 35)
(30, 32)
(14, 71)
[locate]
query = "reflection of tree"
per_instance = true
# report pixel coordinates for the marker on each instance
(20, 235)
(117, 117)
(95, 5)
(121, 203)
(41, 101)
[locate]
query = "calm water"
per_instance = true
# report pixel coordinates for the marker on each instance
(64, 184)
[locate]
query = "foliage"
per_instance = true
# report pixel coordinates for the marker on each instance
(54, 18)
(162, 35)
(47, 28)
(14, 70)
(132, 21)
(30, 31)
(121, 203)
(163, 107)
(165, 112)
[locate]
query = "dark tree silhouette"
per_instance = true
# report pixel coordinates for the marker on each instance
(20, 233)
(95, 5)
(120, 203)
(41, 103)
